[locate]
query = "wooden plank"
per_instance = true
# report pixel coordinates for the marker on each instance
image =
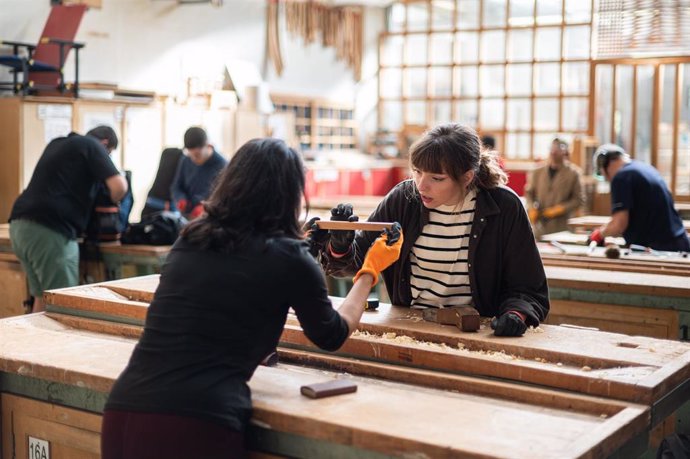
(590, 222)
(628, 320)
(567, 237)
(442, 426)
(353, 226)
(617, 363)
(619, 282)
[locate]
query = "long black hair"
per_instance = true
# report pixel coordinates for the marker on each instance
(258, 194)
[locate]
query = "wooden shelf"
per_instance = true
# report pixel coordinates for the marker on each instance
(320, 124)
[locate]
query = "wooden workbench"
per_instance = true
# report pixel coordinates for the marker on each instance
(632, 369)
(57, 394)
(578, 256)
(106, 261)
(590, 222)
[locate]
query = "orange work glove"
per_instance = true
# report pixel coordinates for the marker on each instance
(554, 211)
(533, 215)
(383, 252)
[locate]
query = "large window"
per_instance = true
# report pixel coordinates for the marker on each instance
(644, 106)
(516, 68)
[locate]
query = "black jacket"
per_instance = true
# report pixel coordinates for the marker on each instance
(506, 271)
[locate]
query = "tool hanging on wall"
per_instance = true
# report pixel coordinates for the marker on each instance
(273, 36)
(339, 27)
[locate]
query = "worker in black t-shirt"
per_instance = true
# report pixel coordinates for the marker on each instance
(220, 309)
(54, 209)
(641, 204)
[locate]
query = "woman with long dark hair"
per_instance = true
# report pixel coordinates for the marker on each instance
(220, 308)
(468, 240)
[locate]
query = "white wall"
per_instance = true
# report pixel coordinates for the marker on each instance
(157, 44)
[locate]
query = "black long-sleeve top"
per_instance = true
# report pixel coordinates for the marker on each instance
(213, 318)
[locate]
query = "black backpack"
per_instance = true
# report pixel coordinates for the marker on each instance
(108, 220)
(160, 228)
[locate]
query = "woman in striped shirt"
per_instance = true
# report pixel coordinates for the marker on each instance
(468, 240)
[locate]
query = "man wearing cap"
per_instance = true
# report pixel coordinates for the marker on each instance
(641, 204)
(196, 172)
(554, 192)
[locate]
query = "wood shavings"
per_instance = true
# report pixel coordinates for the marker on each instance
(586, 368)
(535, 330)
(604, 416)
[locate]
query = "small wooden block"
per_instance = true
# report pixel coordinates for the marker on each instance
(470, 323)
(465, 317)
(329, 388)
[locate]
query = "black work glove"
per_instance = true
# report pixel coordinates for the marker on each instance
(393, 233)
(342, 240)
(509, 324)
(315, 236)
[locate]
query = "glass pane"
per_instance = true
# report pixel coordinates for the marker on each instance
(576, 42)
(542, 145)
(391, 54)
(468, 14)
(519, 79)
(441, 109)
(604, 79)
(416, 50)
(417, 16)
(521, 13)
(415, 112)
(391, 113)
(578, 11)
(494, 13)
(575, 113)
(441, 48)
(623, 115)
(519, 114)
(466, 47)
(391, 83)
(492, 80)
(546, 115)
(441, 82)
(683, 171)
(396, 17)
(492, 113)
(517, 146)
(415, 82)
(466, 112)
(466, 81)
(493, 46)
(442, 14)
(520, 45)
(643, 127)
(549, 11)
(548, 43)
(668, 93)
(547, 79)
(576, 78)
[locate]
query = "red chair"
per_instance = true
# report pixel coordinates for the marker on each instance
(41, 65)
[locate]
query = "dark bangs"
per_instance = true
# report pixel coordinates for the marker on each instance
(429, 155)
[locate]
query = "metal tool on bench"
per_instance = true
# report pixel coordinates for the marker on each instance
(466, 318)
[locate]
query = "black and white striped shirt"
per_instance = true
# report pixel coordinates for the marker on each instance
(440, 276)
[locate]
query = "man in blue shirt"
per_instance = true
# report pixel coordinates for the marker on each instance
(196, 172)
(641, 204)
